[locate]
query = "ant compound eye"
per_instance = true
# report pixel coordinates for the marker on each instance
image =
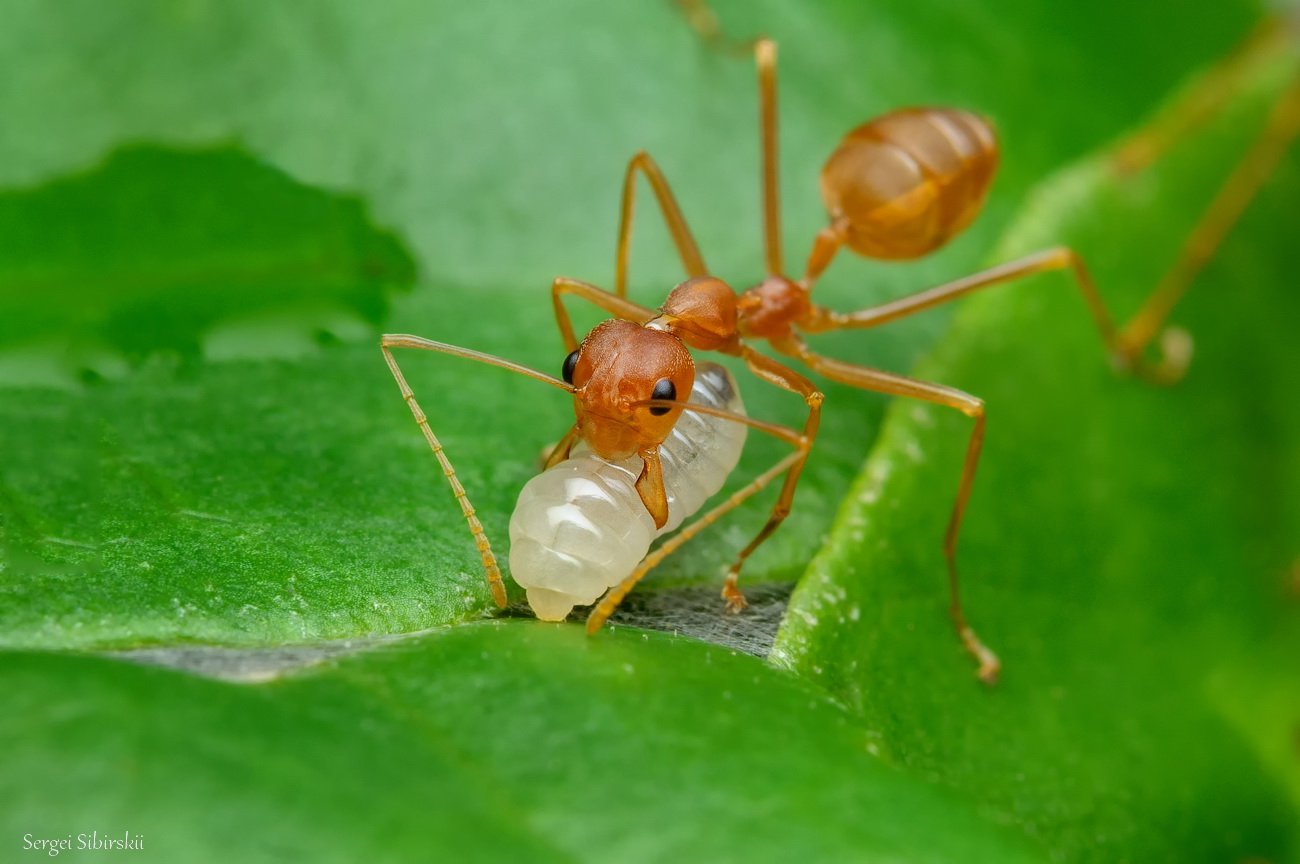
(569, 363)
(664, 389)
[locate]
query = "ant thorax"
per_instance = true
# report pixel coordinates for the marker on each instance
(771, 308)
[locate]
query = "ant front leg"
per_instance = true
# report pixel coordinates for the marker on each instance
(791, 466)
(687, 250)
(1125, 352)
(562, 448)
(765, 60)
(898, 385)
(615, 305)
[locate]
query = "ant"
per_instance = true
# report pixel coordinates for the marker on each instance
(898, 187)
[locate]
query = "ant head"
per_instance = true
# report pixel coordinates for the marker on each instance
(617, 369)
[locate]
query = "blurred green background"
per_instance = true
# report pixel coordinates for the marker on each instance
(208, 211)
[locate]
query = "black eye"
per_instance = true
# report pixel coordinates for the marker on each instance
(569, 363)
(664, 389)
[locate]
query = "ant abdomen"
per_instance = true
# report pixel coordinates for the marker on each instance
(907, 182)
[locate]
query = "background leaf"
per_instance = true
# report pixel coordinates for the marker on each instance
(488, 742)
(151, 250)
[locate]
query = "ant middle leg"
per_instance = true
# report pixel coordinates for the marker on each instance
(777, 374)
(704, 21)
(890, 384)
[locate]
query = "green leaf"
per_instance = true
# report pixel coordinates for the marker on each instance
(494, 742)
(150, 250)
(1125, 550)
(286, 495)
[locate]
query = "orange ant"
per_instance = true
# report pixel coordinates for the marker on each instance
(897, 187)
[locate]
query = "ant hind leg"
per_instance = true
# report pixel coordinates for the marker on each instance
(777, 374)
(989, 667)
(1227, 208)
(1125, 353)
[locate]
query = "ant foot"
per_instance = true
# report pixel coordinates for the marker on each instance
(1175, 355)
(735, 599)
(990, 667)
(1176, 347)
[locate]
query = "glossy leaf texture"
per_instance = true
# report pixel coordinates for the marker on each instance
(488, 742)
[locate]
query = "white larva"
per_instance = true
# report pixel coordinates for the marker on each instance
(580, 528)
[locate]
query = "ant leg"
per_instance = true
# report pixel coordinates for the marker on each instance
(704, 21)
(615, 305)
(561, 450)
(672, 213)
(1126, 355)
(765, 59)
(781, 376)
(1234, 196)
(1127, 344)
(614, 596)
(1205, 99)
(394, 340)
(898, 385)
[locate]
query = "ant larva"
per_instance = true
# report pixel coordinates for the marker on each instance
(639, 459)
(580, 527)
